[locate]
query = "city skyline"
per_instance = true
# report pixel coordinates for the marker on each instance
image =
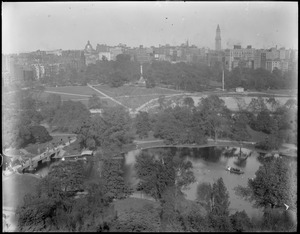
(68, 25)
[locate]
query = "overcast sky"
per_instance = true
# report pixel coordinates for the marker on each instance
(65, 25)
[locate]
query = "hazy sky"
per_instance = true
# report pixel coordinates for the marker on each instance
(66, 25)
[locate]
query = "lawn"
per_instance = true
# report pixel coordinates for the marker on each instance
(135, 102)
(82, 90)
(133, 97)
(130, 96)
(134, 91)
(73, 93)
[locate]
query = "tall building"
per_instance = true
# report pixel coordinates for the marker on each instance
(218, 39)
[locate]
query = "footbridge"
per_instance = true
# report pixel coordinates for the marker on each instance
(141, 145)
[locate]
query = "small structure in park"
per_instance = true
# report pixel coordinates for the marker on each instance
(87, 153)
(96, 111)
(239, 89)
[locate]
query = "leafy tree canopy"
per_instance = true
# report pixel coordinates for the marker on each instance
(70, 115)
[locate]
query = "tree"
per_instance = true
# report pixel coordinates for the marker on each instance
(170, 213)
(219, 223)
(204, 195)
(118, 130)
(142, 124)
(141, 220)
(271, 142)
(70, 115)
(23, 137)
(278, 219)
(157, 173)
(168, 128)
(239, 127)
(188, 101)
(116, 79)
(150, 81)
(271, 185)
(215, 114)
(86, 134)
(241, 222)
(34, 215)
(153, 179)
(55, 208)
(265, 123)
(94, 102)
(66, 176)
(257, 105)
(291, 104)
(114, 185)
(215, 199)
(193, 217)
(220, 198)
(110, 131)
(40, 134)
(162, 102)
(48, 109)
(273, 103)
(180, 125)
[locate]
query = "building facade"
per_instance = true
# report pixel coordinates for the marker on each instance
(90, 54)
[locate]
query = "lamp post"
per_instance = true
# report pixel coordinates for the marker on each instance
(223, 78)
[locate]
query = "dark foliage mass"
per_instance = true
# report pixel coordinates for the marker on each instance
(142, 124)
(70, 115)
(110, 131)
(184, 76)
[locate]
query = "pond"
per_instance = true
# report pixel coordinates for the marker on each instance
(209, 164)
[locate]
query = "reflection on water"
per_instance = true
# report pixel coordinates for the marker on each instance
(209, 164)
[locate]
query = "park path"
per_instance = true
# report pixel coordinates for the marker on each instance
(141, 142)
(72, 94)
(114, 100)
(141, 108)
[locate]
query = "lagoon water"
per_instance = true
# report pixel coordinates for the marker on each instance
(209, 164)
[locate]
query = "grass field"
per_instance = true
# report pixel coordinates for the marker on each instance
(130, 96)
(81, 90)
(133, 91)
(135, 102)
(73, 93)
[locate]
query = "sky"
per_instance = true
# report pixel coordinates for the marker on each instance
(31, 26)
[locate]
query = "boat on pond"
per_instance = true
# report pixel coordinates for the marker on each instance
(234, 170)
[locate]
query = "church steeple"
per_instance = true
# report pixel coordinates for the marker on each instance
(218, 39)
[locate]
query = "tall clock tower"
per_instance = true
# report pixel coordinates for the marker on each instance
(218, 39)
